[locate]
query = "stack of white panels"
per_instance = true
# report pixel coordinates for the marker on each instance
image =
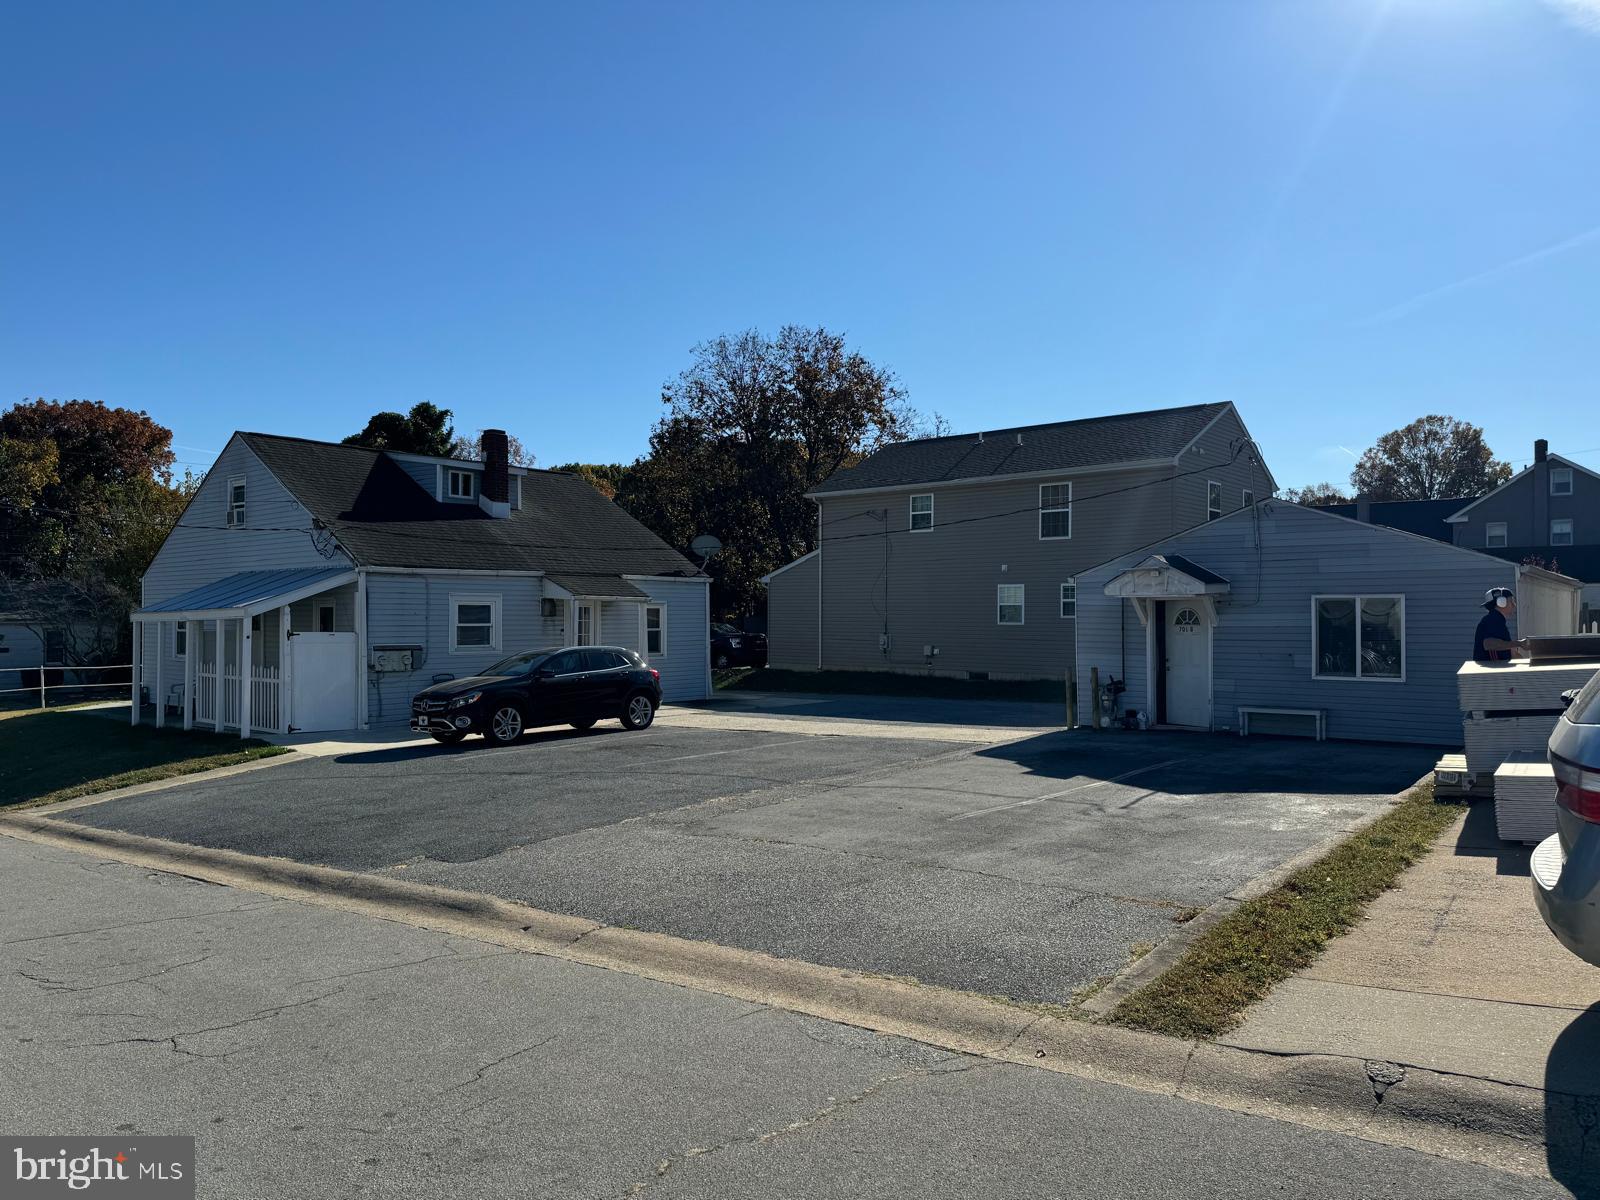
(1519, 685)
(1525, 798)
(1492, 740)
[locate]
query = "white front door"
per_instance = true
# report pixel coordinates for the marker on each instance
(1188, 665)
(322, 681)
(586, 623)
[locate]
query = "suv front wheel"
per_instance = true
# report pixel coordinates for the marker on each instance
(638, 712)
(505, 724)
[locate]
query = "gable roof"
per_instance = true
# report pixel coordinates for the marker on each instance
(1461, 514)
(384, 518)
(1155, 437)
(1427, 518)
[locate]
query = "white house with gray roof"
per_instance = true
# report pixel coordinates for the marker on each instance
(959, 555)
(318, 586)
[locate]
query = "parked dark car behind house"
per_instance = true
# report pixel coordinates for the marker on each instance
(732, 647)
(558, 685)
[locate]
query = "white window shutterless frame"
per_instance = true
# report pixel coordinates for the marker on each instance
(921, 518)
(655, 631)
(1010, 604)
(1494, 534)
(474, 623)
(1055, 511)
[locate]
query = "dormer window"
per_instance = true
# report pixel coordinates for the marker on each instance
(235, 501)
(1561, 481)
(461, 485)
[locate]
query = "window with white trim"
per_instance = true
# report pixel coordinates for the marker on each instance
(922, 512)
(474, 623)
(655, 631)
(1069, 598)
(1494, 534)
(461, 485)
(324, 615)
(1561, 531)
(1247, 498)
(1055, 511)
(1561, 481)
(180, 639)
(235, 501)
(1009, 599)
(1358, 637)
(1213, 499)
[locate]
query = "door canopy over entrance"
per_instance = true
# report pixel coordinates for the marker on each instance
(1167, 577)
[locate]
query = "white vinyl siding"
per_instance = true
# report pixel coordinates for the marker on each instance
(235, 515)
(1055, 512)
(1069, 599)
(1010, 603)
(1494, 534)
(1561, 481)
(1213, 499)
(655, 631)
(474, 623)
(1358, 637)
(922, 512)
(1561, 532)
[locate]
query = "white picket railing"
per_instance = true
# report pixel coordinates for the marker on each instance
(265, 690)
(266, 695)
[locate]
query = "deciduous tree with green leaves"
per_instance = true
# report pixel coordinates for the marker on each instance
(426, 429)
(1432, 458)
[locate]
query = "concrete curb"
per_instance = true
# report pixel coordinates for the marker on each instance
(1490, 1123)
(1165, 956)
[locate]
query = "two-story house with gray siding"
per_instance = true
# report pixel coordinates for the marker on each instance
(314, 586)
(958, 555)
(1548, 512)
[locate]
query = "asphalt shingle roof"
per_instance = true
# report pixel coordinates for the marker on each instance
(385, 518)
(1425, 517)
(1061, 446)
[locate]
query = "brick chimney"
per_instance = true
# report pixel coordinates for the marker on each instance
(1541, 450)
(494, 496)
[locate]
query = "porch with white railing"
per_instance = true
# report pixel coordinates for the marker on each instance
(266, 695)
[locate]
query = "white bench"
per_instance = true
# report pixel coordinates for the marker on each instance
(1316, 714)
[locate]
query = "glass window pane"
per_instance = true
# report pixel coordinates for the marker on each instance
(1055, 495)
(1055, 524)
(472, 635)
(1336, 637)
(473, 614)
(1381, 634)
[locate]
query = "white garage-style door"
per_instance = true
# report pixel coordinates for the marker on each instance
(322, 681)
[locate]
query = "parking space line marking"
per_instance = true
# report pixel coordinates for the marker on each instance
(1082, 787)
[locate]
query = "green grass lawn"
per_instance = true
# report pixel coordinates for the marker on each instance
(1239, 960)
(61, 755)
(883, 683)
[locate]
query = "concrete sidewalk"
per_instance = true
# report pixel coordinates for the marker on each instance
(1453, 972)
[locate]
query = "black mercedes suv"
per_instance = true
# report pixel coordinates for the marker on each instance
(570, 685)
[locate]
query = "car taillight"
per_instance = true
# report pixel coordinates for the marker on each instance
(655, 674)
(1577, 790)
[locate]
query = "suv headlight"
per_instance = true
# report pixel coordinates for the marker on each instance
(463, 701)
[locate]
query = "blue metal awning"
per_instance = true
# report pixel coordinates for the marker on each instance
(247, 594)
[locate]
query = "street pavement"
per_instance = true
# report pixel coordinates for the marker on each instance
(1029, 868)
(315, 1053)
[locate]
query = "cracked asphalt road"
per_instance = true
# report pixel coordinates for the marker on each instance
(316, 1053)
(1028, 869)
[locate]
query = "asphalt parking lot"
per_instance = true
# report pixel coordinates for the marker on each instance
(1028, 868)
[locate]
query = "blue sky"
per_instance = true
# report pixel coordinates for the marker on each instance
(1340, 214)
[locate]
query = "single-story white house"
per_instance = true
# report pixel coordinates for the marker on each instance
(338, 581)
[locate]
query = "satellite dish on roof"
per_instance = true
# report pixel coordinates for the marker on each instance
(705, 546)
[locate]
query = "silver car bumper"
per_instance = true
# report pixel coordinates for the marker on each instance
(1566, 887)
